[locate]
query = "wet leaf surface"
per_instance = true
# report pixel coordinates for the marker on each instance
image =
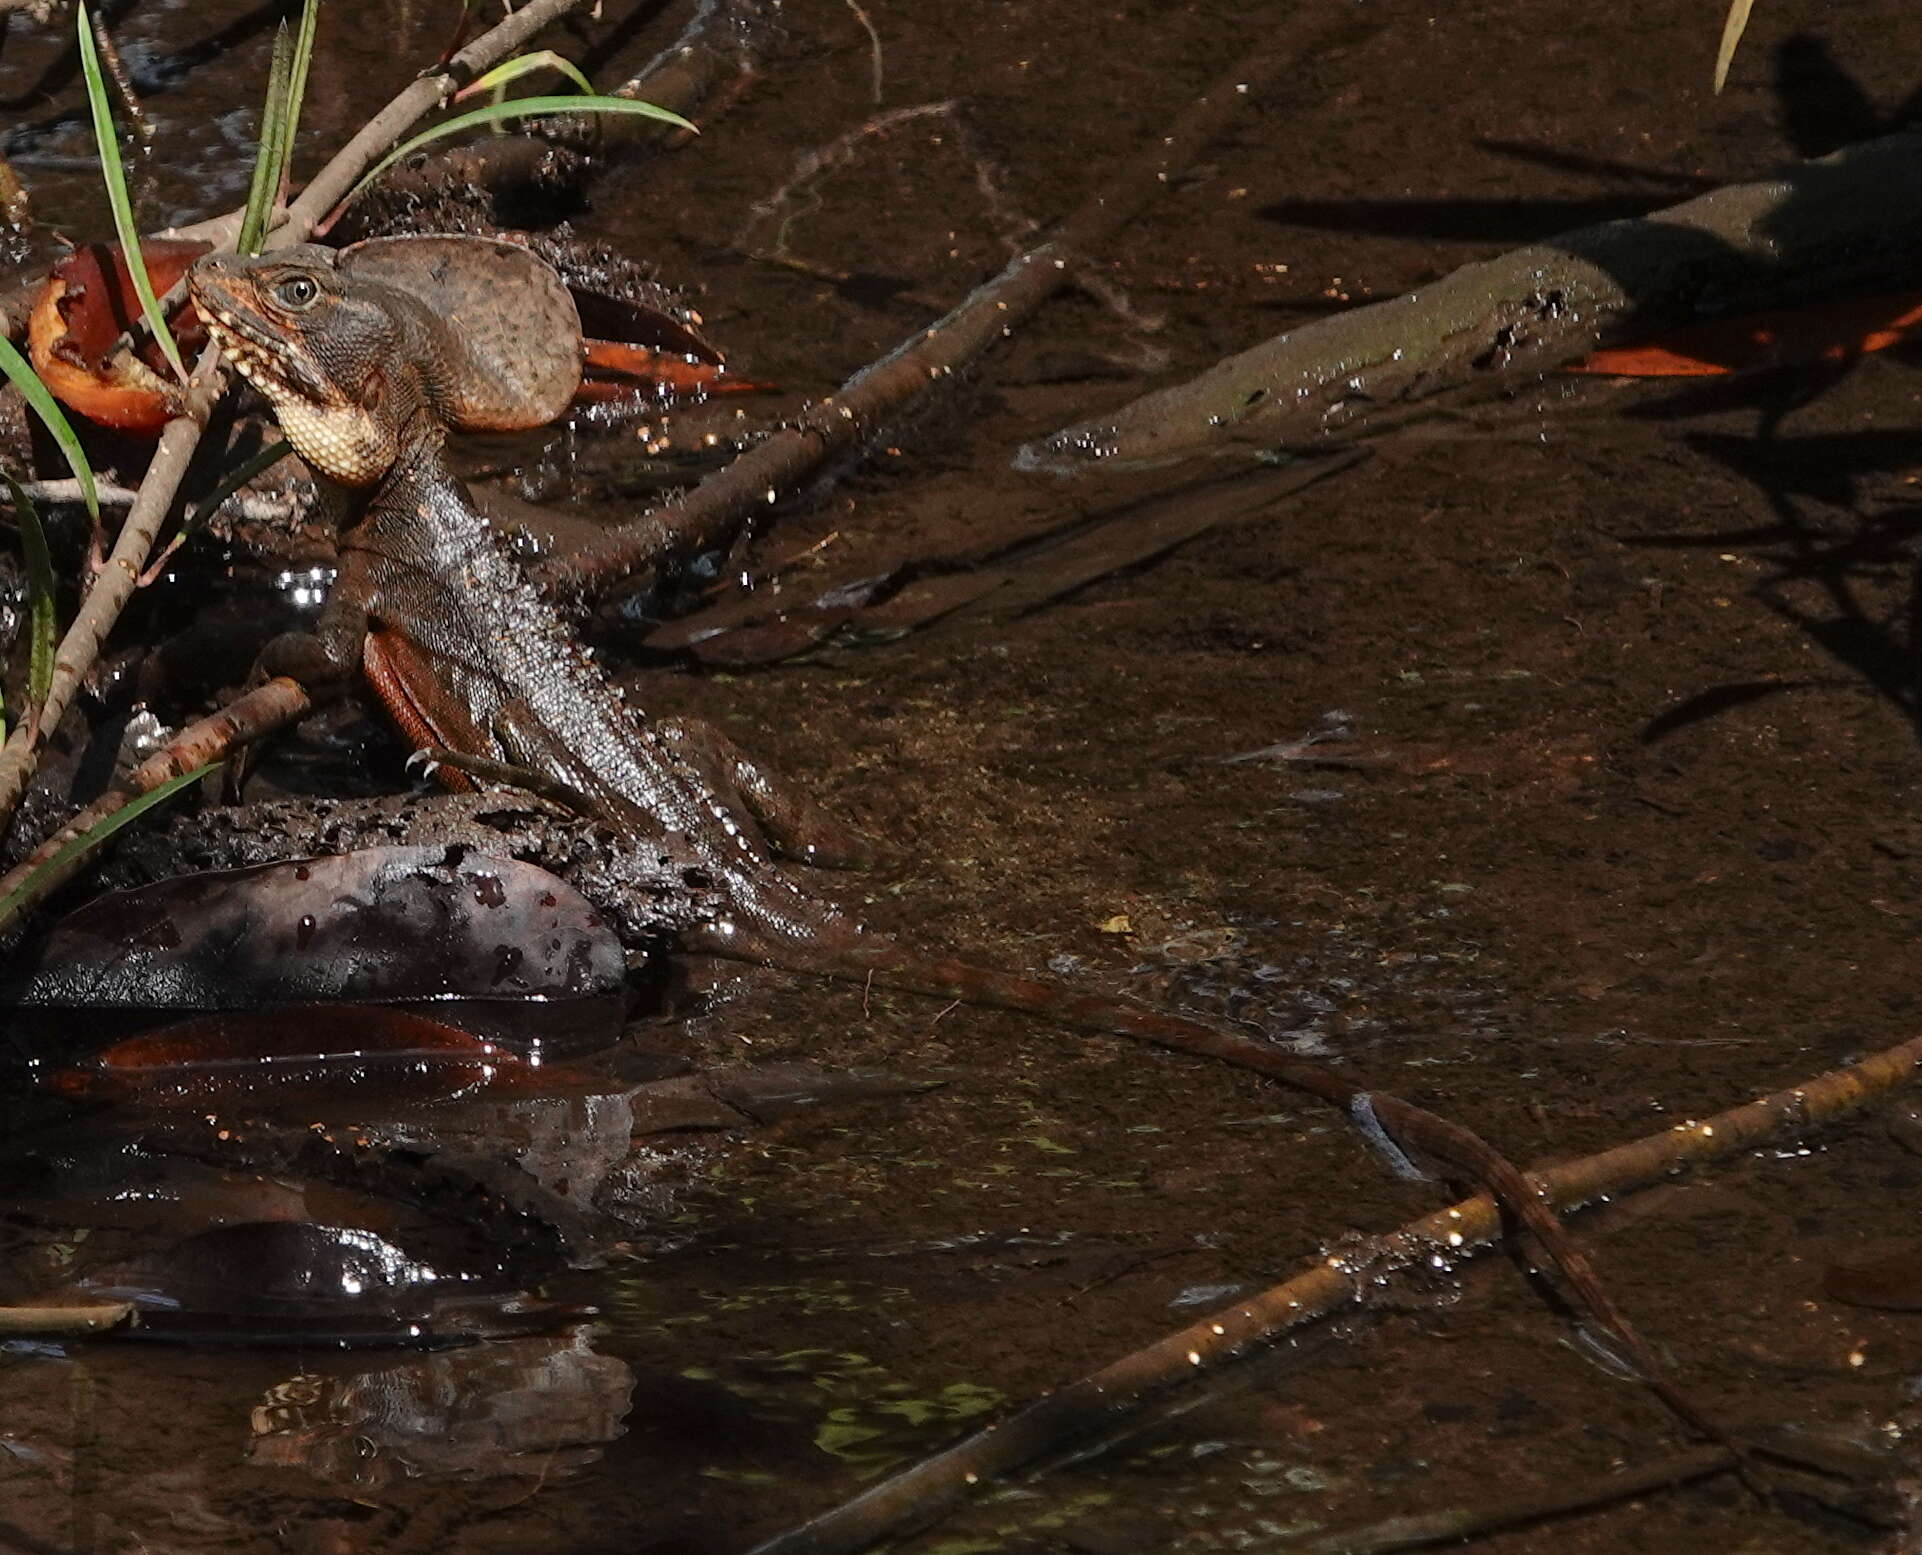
(508, 944)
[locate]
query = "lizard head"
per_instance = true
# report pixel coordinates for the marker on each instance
(331, 357)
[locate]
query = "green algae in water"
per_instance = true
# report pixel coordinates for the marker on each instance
(644, 1306)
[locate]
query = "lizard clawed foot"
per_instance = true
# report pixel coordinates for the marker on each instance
(436, 761)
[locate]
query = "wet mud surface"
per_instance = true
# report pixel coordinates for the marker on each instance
(1621, 831)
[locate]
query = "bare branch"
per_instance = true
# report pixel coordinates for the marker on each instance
(918, 1495)
(708, 513)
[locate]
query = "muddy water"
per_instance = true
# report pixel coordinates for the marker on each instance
(1626, 833)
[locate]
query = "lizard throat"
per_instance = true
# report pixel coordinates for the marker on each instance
(339, 439)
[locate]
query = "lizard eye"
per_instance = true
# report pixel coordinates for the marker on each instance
(297, 291)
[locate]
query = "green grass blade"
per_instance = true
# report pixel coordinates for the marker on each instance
(526, 65)
(22, 376)
(29, 889)
(1732, 29)
(230, 483)
(520, 108)
(297, 84)
(264, 188)
(115, 178)
(43, 638)
(234, 479)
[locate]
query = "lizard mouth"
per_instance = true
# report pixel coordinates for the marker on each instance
(260, 353)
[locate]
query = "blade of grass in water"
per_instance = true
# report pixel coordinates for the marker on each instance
(230, 483)
(501, 76)
(42, 637)
(115, 178)
(22, 376)
(237, 477)
(297, 83)
(520, 108)
(29, 889)
(1732, 30)
(279, 119)
(523, 65)
(264, 188)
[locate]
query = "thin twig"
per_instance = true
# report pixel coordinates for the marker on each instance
(69, 490)
(112, 587)
(122, 82)
(258, 507)
(874, 45)
(1464, 1522)
(918, 1495)
(1390, 1123)
(423, 96)
(248, 717)
(503, 774)
(708, 514)
(810, 165)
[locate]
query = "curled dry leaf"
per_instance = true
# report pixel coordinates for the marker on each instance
(73, 336)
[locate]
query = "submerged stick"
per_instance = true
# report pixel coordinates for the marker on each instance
(919, 1495)
(1465, 1522)
(709, 513)
(258, 712)
(1389, 1123)
(1851, 219)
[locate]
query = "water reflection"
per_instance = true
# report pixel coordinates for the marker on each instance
(542, 1406)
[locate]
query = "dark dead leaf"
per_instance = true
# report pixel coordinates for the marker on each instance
(383, 925)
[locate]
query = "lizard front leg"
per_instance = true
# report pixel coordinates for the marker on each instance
(324, 660)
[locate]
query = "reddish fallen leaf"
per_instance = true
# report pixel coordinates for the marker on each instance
(1789, 337)
(87, 304)
(306, 1054)
(614, 368)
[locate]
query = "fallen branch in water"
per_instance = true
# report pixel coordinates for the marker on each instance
(248, 717)
(1391, 1125)
(260, 507)
(709, 514)
(116, 583)
(1465, 1522)
(1848, 221)
(1853, 1482)
(918, 1495)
